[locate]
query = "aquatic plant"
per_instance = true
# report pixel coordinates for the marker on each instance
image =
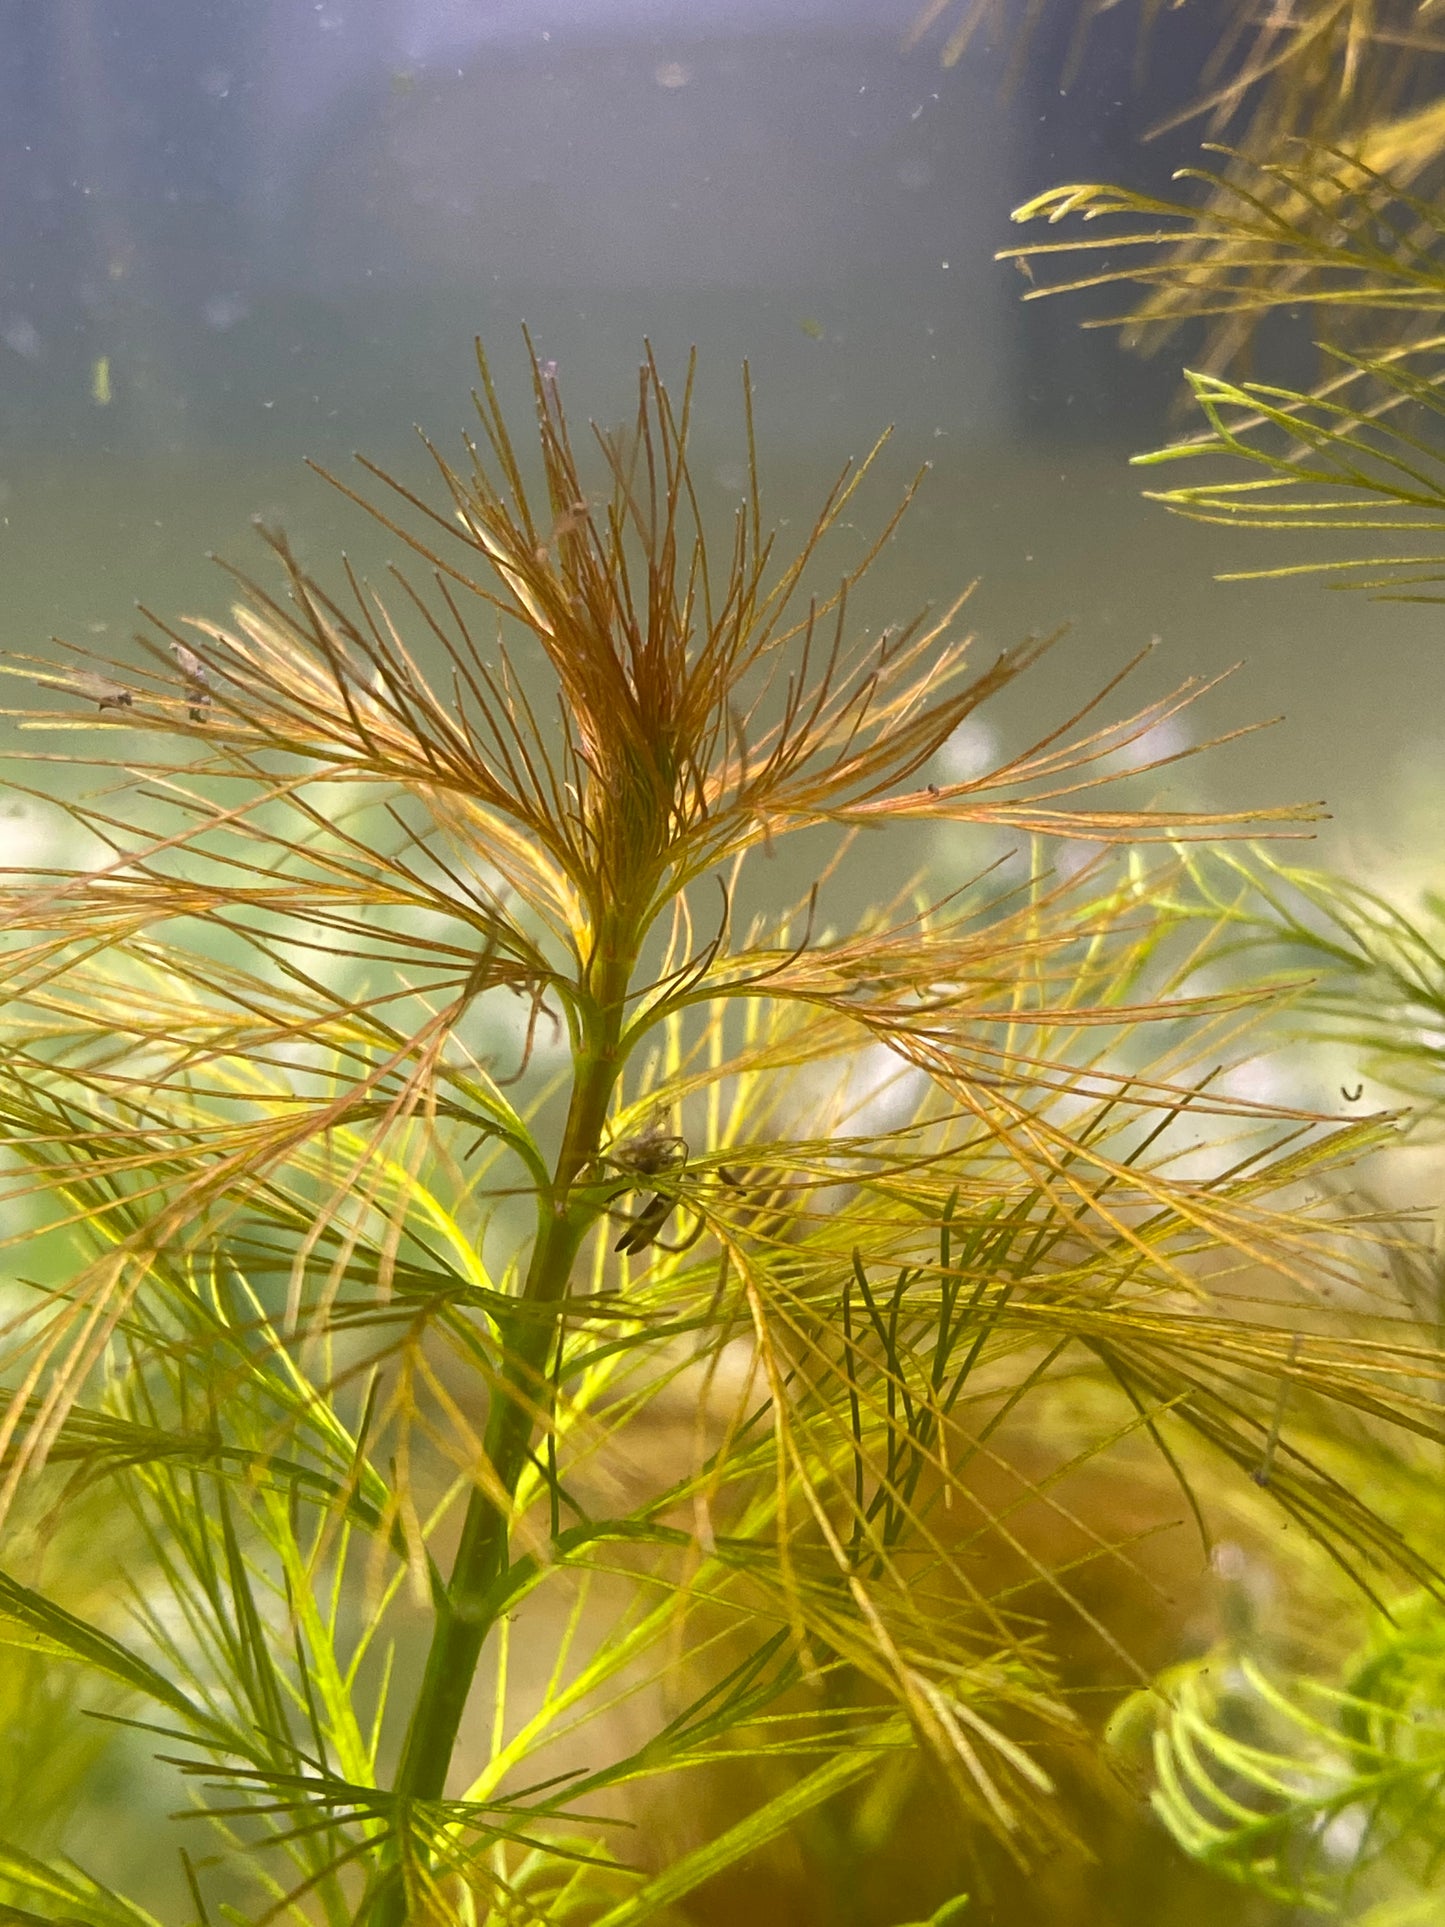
(513, 1438)
(1306, 70)
(1339, 222)
(1302, 107)
(1318, 1784)
(1315, 1793)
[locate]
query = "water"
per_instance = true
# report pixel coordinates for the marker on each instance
(239, 237)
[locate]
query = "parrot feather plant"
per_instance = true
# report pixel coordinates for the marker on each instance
(514, 1438)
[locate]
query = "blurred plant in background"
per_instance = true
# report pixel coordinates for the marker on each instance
(1328, 209)
(1321, 1789)
(1316, 1781)
(769, 1375)
(1323, 1797)
(1312, 68)
(1315, 100)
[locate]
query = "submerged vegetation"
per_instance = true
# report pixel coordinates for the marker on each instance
(533, 1336)
(548, 1376)
(1312, 1777)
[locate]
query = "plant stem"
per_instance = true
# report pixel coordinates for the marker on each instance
(473, 1596)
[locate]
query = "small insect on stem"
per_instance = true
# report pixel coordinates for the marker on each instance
(646, 1225)
(197, 680)
(100, 690)
(651, 1153)
(572, 521)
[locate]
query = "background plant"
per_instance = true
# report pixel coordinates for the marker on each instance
(1316, 1784)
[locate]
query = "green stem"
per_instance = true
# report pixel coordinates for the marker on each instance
(474, 1593)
